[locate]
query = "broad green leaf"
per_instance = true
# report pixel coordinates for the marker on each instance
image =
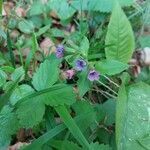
(4, 98)
(26, 26)
(62, 8)
(99, 5)
(84, 46)
(18, 73)
(111, 67)
(72, 126)
(109, 108)
(64, 145)
(37, 8)
(47, 74)
(83, 83)
(144, 41)
(30, 112)
(20, 92)
(63, 95)
(119, 36)
(85, 108)
(30, 109)
(3, 77)
(38, 143)
(132, 116)
(97, 146)
(8, 126)
(145, 142)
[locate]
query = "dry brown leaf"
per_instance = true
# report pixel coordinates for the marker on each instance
(47, 46)
(17, 146)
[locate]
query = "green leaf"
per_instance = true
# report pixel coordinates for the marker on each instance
(72, 126)
(62, 8)
(119, 36)
(83, 83)
(144, 41)
(37, 144)
(3, 77)
(30, 112)
(4, 98)
(47, 74)
(26, 26)
(97, 146)
(54, 96)
(63, 95)
(3, 34)
(132, 116)
(37, 8)
(145, 142)
(8, 126)
(86, 109)
(20, 92)
(99, 5)
(109, 107)
(18, 73)
(64, 145)
(32, 52)
(111, 67)
(84, 46)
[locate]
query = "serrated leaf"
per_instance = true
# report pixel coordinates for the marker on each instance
(8, 126)
(20, 92)
(64, 145)
(132, 116)
(30, 112)
(97, 146)
(99, 5)
(111, 67)
(84, 108)
(47, 74)
(62, 8)
(30, 109)
(119, 37)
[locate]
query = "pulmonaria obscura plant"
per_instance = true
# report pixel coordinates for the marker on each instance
(67, 79)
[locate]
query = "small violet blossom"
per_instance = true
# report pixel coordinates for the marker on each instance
(69, 74)
(60, 51)
(80, 65)
(93, 75)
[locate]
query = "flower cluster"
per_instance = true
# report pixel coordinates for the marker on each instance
(80, 65)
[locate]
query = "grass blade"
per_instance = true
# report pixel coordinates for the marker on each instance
(72, 126)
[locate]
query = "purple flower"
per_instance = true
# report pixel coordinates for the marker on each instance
(93, 75)
(80, 64)
(59, 51)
